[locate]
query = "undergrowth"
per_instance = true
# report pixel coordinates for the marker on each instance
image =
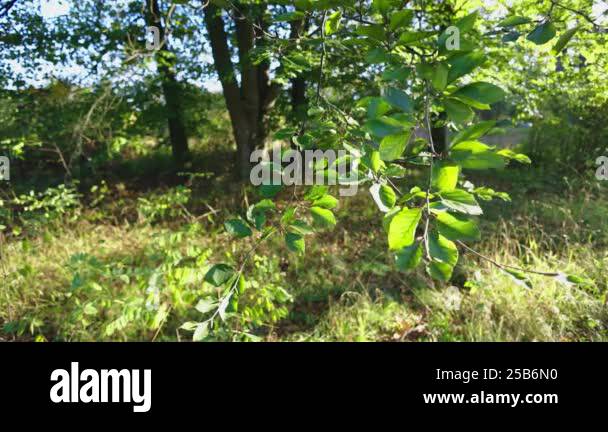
(112, 263)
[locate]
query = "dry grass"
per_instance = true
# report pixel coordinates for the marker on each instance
(344, 289)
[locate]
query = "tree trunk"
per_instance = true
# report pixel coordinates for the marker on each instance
(298, 97)
(249, 103)
(171, 90)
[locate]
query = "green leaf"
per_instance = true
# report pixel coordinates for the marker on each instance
(237, 228)
(483, 92)
(442, 249)
(376, 163)
(425, 70)
(393, 146)
(376, 106)
(256, 214)
(377, 55)
(388, 217)
(315, 192)
(264, 205)
(475, 155)
(414, 192)
(387, 196)
(242, 285)
(205, 305)
(89, 309)
(445, 175)
(332, 24)
(233, 306)
(519, 157)
(457, 111)
(409, 38)
(440, 76)
(295, 243)
(542, 34)
(383, 126)
(574, 280)
(511, 36)
(456, 227)
(463, 64)
(270, 190)
(396, 73)
(563, 40)
(219, 274)
(408, 258)
(201, 332)
(514, 21)
(402, 18)
(326, 201)
(323, 217)
(474, 131)
(472, 103)
(519, 277)
(440, 270)
(189, 325)
(398, 98)
(383, 196)
(300, 227)
(467, 22)
(373, 31)
(486, 194)
(461, 201)
(288, 215)
(402, 228)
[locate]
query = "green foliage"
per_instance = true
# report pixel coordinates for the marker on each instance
(409, 257)
(430, 219)
(35, 210)
(402, 228)
(247, 306)
(379, 80)
(164, 205)
(542, 34)
(237, 228)
(576, 130)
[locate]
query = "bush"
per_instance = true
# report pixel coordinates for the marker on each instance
(569, 134)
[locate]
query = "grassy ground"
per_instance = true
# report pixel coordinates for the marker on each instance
(128, 264)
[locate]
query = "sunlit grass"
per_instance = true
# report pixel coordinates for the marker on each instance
(90, 279)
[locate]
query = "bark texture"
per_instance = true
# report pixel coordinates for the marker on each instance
(249, 101)
(165, 60)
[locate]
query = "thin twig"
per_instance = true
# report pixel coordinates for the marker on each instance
(428, 190)
(320, 80)
(504, 266)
